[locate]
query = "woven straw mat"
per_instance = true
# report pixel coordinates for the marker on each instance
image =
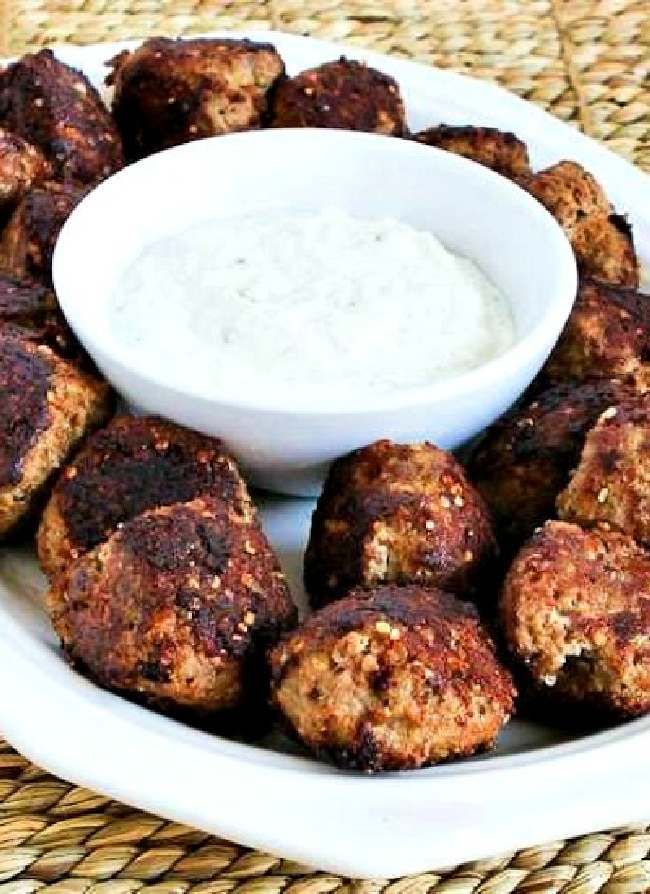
(587, 61)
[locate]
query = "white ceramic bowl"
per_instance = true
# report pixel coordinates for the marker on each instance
(285, 444)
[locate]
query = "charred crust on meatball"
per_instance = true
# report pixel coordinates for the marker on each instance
(607, 334)
(525, 458)
(601, 239)
(170, 91)
(176, 544)
(174, 606)
(499, 150)
(402, 513)
(575, 612)
(391, 678)
(342, 94)
(24, 382)
(56, 108)
(23, 302)
(29, 310)
(405, 604)
(47, 407)
(27, 242)
(136, 463)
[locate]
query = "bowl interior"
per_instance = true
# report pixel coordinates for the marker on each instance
(474, 212)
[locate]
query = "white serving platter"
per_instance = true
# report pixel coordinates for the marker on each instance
(540, 784)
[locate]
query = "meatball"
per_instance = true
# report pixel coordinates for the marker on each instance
(398, 513)
(30, 310)
(341, 94)
(569, 192)
(497, 149)
(47, 406)
(575, 612)
(607, 334)
(525, 459)
(601, 240)
(134, 464)
(172, 91)
(56, 108)
(604, 250)
(176, 608)
(391, 679)
(25, 303)
(27, 242)
(21, 167)
(611, 483)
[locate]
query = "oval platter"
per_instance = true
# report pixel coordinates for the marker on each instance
(540, 784)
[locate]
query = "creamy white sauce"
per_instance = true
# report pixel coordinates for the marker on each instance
(324, 302)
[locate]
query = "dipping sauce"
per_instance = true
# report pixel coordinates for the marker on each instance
(324, 302)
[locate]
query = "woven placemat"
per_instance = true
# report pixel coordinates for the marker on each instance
(587, 61)
(60, 839)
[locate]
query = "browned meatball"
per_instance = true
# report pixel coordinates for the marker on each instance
(176, 608)
(56, 108)
(134, 464)
(25, 303)
(172, 91)
(28, 240)
(30, 310)
(569, 192)
(575, 611)
(47, 406)
(21, 166)
(612, 481)
(497, 149)
(392, 679)
(604, 249)
(607, 334)
(601, 240)
(342, 94)
(525, 459)
(396, 512)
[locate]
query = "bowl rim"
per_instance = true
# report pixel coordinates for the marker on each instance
(322, 403)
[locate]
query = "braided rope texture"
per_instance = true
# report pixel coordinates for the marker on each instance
(586, 61)
(57, 838)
